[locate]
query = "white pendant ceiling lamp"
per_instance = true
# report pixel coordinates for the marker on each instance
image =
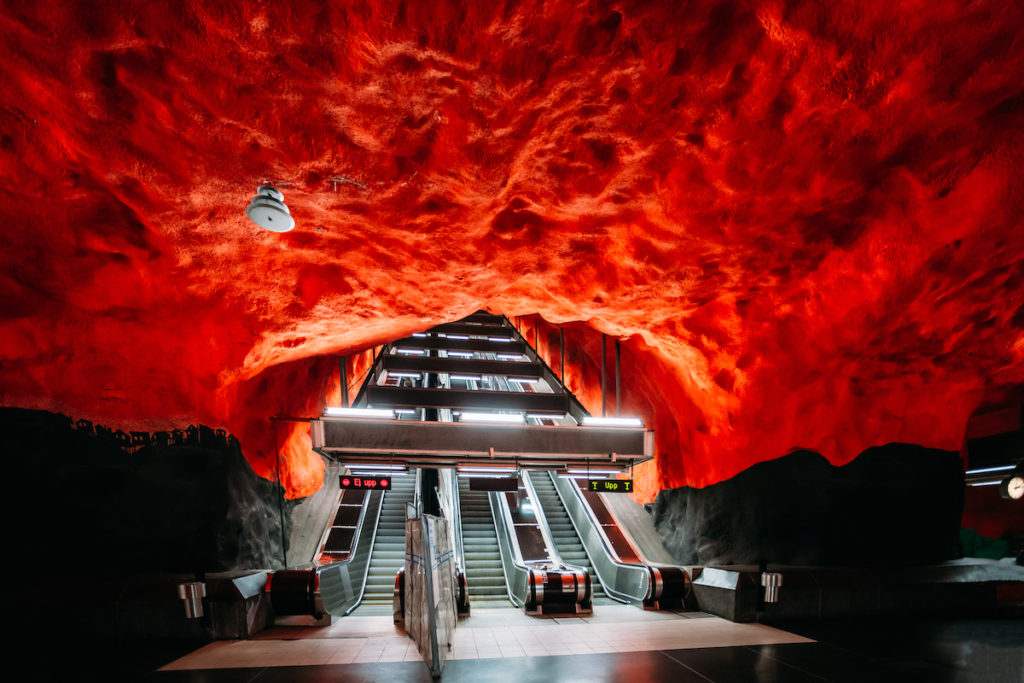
(267, 210)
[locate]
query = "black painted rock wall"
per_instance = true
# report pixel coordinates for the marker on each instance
(77, 498)
(898, 503)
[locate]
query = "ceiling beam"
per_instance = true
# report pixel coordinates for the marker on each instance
(419, 397)
(448, 344)
(470, 366)
(546, 446)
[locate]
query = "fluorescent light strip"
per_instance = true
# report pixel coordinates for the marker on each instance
(1001, 468)
(466, 378)
(404, 411)
(539, 416)
(499, 339)
(419, 334)
(459, 337)
(417, 375)
(579, 476)
(985, 483)
(477, 475)
(460, 354)
(612, 422)
(379, 413)
(509, 356)
(524, 380)
(595, 471)
(376, 466)
(490, 470)
(492, 417)
(411, 352)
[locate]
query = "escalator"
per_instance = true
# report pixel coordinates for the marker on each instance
(485, 580)
(567, 542)
(388, 554)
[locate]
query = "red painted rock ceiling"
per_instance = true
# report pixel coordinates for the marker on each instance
(802, 219)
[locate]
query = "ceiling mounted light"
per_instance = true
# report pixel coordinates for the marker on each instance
(510, 418)
(375, 466)
(373, 413)
(983, 470)
(612, 422)
(267, 210)
(489, 470)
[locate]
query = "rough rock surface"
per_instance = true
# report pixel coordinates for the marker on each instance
(896, 504)
(102, 510)
(803, 218)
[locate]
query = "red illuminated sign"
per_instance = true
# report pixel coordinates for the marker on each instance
(352, 481)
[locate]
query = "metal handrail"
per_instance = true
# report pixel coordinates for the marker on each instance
(622, 581)
(343, 583)
(456, 519)
(512, 565)
(542, 522)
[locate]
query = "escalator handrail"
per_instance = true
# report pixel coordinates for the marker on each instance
(579, 511)
(644, 559)
(512, 565)
(362, 546)
(591, 517)
(542, 523)
(460, 557)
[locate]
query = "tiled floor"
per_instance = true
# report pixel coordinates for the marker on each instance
(876, 650)
(488, 634)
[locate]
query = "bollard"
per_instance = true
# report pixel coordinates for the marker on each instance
(192, 592)
(772, 582)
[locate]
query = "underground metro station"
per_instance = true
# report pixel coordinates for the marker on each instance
(526, 341)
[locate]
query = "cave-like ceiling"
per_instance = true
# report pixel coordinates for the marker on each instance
(803, 219)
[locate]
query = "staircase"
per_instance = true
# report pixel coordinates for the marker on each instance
(388, 555)
(567, 542)
(485, 580)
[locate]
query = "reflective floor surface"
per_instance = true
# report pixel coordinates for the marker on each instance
(854, 650)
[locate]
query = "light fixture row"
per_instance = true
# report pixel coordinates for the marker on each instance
(484, 417)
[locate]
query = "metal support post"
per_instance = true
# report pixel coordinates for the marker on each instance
(561, 356)
(604, 353)
(618, 377)
(343, 368)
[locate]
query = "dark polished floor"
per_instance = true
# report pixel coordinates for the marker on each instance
(870, 650)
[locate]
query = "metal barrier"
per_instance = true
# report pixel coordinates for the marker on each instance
(342, 583)
(516, 572)
(295, 592)
(538, 581)
(656, 586)
(453, 512)
(335, 588)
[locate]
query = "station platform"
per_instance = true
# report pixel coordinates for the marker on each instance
(488, 634)
(621, 643)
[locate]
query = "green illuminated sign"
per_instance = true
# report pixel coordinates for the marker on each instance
(610, 485)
